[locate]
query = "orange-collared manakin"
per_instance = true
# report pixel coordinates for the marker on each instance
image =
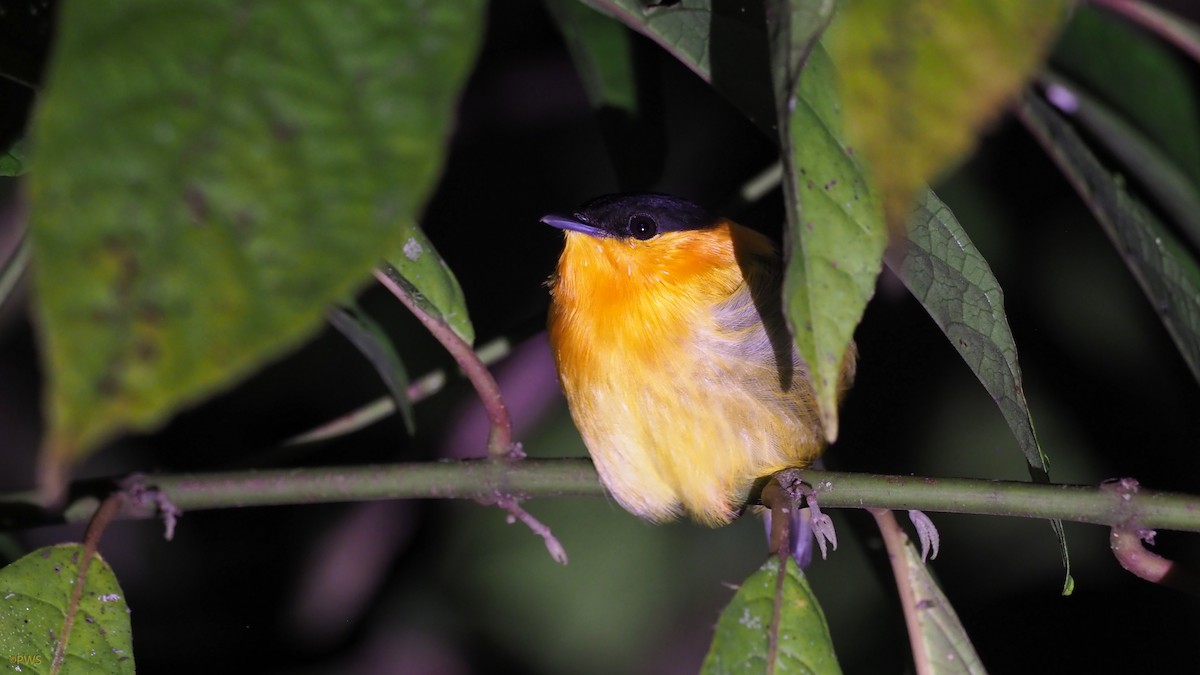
(668, 331)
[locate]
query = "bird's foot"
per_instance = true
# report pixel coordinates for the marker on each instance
(789, 526)
(926, 533)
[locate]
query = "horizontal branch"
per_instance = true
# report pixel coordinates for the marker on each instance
(1119, 503)
(470, 479)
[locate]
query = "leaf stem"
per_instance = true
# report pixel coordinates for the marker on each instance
(515, 513)
(91, 543)
(894, 539)
(1172, 29)
(418, 390)
(500, 444)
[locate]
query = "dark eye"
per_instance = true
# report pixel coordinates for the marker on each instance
(642, 227)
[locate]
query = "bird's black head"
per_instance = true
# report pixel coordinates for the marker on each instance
(634, 216)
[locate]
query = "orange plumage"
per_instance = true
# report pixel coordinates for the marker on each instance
(667, 329)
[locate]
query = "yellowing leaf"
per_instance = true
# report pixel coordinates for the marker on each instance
(921, 78)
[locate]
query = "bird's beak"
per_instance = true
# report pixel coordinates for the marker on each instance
(573, 224)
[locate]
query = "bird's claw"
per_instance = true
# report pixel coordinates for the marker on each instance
(809, 519)
(821, 524)
(927, 533)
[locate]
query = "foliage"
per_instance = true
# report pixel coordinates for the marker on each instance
(252, 163)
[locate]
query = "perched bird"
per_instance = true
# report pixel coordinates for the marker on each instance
(667, 327)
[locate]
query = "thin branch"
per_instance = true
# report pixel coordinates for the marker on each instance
(777, 611)
(515, 513)
(418, 390)
(91, 544)
(1174, 30)
(1126, 543)
(500, 444)
(483, 480)
(894, 540)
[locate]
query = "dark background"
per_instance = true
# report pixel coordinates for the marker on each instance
(443, 587)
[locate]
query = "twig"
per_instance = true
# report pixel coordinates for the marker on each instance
(1156, 21)
(469, 479)
(515, 513)
(141, 496)
(91, 543)
(894, 540)
(500, 444)
(780, 506)
(777, 612)
(1126, 543)
(418, 390)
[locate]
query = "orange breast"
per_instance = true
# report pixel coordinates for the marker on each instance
(680, 406)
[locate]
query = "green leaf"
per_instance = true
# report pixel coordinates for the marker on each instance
(431, 284)
(921, 79)
(35, 597)
(942, 268)
(945, 272)
(946, 641)
(1163, 267)
(253, 162)
(12, 161)
(836, 235)
(369, 337)
(742, 644)
(1138, 77)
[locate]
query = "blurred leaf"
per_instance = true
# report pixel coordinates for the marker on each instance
(741, 645)
(35, 595)
(835, 236)
(1137, 76)
(942, 268)
(1171, 187)
(625, 97)
(600, 49)
(364, 333)
(680, 28)
(12, 162)
(1166, 270)
(253, 162)
(431, 284)
(921, 79)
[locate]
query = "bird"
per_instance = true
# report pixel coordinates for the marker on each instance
(668, 332)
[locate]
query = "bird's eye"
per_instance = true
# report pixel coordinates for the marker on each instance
(642, 227)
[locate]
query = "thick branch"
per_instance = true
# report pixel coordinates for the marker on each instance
(487, 480)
